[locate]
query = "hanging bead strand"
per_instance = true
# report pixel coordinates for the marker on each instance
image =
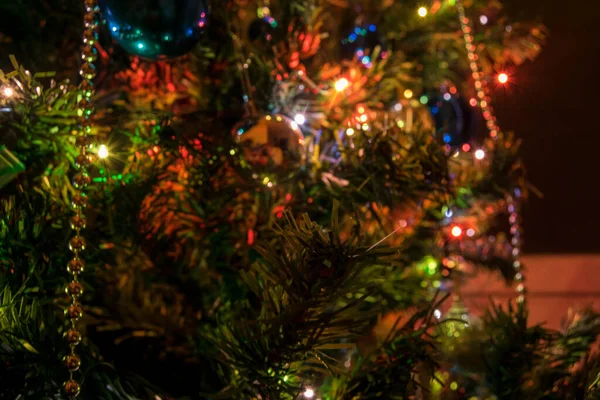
(81, 180)
(484, 102)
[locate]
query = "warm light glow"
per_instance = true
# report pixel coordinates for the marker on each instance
(479, 154)
(309, 393)
(300, 119)
(408, 93)
(8, 92)
(470, 232)
(349, 131)
(473, 102)
(502, 78)
(363, 118)
(456, 231)
(422, 11)
(102, 151)
(341, 84)
(483, 19)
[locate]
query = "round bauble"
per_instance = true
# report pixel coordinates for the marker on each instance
(454, 118)
(271, 144)
(155, 29)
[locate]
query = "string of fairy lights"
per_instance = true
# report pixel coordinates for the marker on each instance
(82, 179)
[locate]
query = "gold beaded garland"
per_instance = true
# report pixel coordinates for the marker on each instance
(79, 201)
(513, 201)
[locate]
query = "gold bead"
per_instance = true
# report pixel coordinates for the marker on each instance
(73, 337)
(74, 289)
(79, 201)
(72, 362)
(74, 311)
(71, 388)
(85, 104)
(78, 222)
(81, 180)
(77, 243)
(82, 160)
(89, 20)
(89, 36)
(83, 140)
(87, 71)
(76, 266)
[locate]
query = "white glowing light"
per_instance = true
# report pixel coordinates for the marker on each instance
(300, 119)
(447, 96)
(309, 393)
(483, 19)
(398, 107)
(480, 154)
(349, 131)
(456, 231)
(422, 11)
(102, 151)
(502, 78)
(8, 92)
(341, 84)
(470, 232)
(437, 314)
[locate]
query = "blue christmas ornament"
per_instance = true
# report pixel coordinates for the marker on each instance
(155, 29)
(454, 118)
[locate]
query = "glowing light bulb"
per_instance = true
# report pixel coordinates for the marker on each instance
(480, 154)
(447, 96)
(408, 93)
(502, 78)
(309, 393)
(456, 231)
(8, 92)
(300, 119)
(437, 314)
(483, 19)
(470, 232)
(341, 84)
(422, 11)
(102, 151)
(349, 131)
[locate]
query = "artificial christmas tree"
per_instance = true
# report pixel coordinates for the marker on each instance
(284, 212)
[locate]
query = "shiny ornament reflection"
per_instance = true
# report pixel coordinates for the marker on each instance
(155, 29)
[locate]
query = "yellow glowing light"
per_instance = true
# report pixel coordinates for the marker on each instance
(102, 151)
(8, 92)
(422, 11)
(456, 231)
(480, 154)
(341, 84)
(349, 131)
(361, 110)
(502, 78)
(408, 93)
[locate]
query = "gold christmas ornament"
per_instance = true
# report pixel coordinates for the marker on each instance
(271, 144)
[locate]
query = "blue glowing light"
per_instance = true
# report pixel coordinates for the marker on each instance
(434, 110)
(372, 28)
(366, 60)
(140, 45)
(447, 138)
(352, 37)
(357, 30)
(189, 32)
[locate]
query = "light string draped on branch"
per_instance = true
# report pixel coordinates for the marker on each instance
(484, 102)
(81, 180)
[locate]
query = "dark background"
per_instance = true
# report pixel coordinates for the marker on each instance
(554, 105)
